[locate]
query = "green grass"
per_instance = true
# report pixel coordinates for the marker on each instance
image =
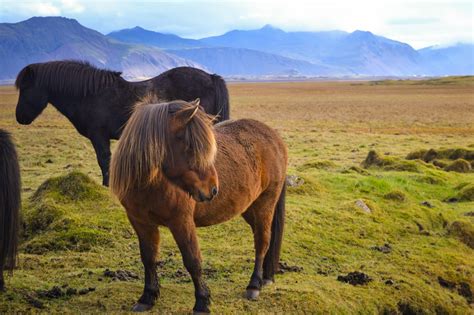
(74, 229)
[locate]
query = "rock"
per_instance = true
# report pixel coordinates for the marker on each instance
(389, 282)
(355, 278)
(294, 181)
(386, 248)
(363, 206)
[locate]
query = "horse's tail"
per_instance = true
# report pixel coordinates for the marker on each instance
(271, 263)
(10, 202)
(221, 97)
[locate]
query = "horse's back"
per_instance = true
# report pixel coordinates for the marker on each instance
(188, 83)
(255, 143)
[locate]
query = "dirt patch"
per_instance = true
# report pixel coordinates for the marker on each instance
(57, 292)
(120, 275)
(446, 283)
(406, 308)
(463, 288)
(355, 278)
(284, 267)
(386, 248)
(395, 195)
(465, 291)
(464, 231)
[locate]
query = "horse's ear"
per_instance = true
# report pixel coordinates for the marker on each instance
(184, 116)
(196, 101)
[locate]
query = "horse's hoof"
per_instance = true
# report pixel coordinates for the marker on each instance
(140, 307)
(252, 294)
(267, 282)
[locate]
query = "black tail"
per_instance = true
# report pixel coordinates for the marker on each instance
(222, 97)
(271, 263)
(10, 202)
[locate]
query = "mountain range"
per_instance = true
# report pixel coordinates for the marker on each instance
(42, 39)
(268, 51)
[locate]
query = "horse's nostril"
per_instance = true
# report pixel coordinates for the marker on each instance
(214, 191)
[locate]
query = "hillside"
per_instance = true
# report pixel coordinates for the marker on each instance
(457, 59)
(241, 61)
(42, 39)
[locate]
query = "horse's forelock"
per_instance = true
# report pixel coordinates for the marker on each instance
(141, 149)
(26, 74)
(199, 138)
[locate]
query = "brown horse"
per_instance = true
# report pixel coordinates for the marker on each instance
(167, 170)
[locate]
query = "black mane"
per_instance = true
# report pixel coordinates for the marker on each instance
(71, 77)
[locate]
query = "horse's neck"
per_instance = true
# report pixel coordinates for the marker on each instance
(65, 105)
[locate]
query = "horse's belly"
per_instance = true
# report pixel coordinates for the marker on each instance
(221, 209)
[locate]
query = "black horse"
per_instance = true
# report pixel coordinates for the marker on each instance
(99, 102)
(10, 202)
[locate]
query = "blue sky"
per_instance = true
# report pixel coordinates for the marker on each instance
(417, 22)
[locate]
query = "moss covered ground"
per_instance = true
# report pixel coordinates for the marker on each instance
(352, 143)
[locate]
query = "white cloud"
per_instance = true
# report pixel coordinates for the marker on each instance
(44, 8)
(72, 6)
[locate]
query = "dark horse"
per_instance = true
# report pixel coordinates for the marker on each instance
(98, 102)
(167, 170)
(10, 202)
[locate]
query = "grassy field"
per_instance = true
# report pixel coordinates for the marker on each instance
(74, 230)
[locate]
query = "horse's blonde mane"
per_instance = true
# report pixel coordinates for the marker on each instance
(144, 144)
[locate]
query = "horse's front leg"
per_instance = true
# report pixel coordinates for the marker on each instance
(149, 239)
(185, 236)
(102, 151)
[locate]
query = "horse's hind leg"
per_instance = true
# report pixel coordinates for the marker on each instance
(259, 216)
(149, 239)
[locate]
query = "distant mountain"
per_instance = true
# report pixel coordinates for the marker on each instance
(454, 60)
(308, 46)
(141, 53)
(138, 35)
(42, 39)
(241, 61)
(359, 52)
